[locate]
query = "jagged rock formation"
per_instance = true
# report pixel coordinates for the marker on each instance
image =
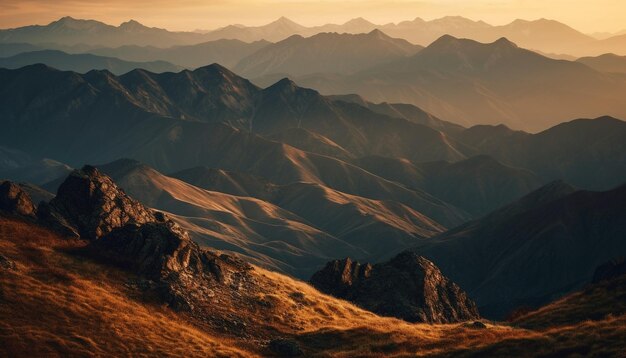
(14, 200)
(93, 205)
(124, 232)
(408, 287)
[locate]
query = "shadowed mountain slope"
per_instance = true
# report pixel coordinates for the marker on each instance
(212, 94)
(478, 185)
(502, 260)
(293, 228)
(83, 62)
(215, 304)
(325, 53)
(588, 153)
(475, 83)
(225, 52)
(608, 62)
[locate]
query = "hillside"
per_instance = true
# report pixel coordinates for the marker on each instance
(555, 229)
(325, 53)
(470, 83)
(608, 62)
(292, 228)
(266, 313)
(83, 63)
(225, 52)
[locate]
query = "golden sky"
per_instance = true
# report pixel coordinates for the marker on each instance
(585, 15)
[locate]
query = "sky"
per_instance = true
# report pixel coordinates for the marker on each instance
(588, 16)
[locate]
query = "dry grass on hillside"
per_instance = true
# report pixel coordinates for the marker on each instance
(595, 302)
(54, 304)
(59, 303)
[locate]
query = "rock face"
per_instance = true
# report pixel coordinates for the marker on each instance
(93, 205)
(125, 233)
(408, 287)
(14, 200)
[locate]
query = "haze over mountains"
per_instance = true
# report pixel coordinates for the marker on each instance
(343, 53)
(433, 171)
(83, 62)
(460, 80)
(470, 82)
(543, 35)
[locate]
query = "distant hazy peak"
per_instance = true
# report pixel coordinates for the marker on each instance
(358, 21)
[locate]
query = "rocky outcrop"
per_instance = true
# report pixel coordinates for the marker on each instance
(125, 233)
(91, 205)
(610, 270)
(408, 287)
(15, 201)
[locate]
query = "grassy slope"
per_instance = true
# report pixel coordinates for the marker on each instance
(59, 303)
(54, 304)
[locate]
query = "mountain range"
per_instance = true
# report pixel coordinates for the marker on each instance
(83, 63)
(342, 53)
(95, 246)
(425, 188)
(368, 182)
(534, 250)
(230, 121)
(544, 35)
(468, 82)
(608, 62)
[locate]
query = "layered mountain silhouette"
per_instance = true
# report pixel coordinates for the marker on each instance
(130, 258)
(70, 31)
(537, 249)
(211, 117)
(23, 167)
(561, 152)
(548, 36)
(293, 228)
(478, 185)
(83, 62)
(208, 97)
(608, 62)
(490, 83)
(325, 53)
(225, 52)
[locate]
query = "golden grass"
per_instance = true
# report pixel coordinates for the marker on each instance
(595, 302)
(58, 303)
(329, 326)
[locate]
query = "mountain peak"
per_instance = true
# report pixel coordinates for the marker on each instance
(284, 84)
(358, 21)
(131, 25)
(66, 19)
(284, 21)
(216, 69)
(504, 42)
(376, 33)
(444, 42)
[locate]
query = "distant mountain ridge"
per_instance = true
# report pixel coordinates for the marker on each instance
(325, 53)
(502, 259)
(466, 82)
(191, 113)
(83, 63)
(544, 35)
(608, 62)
